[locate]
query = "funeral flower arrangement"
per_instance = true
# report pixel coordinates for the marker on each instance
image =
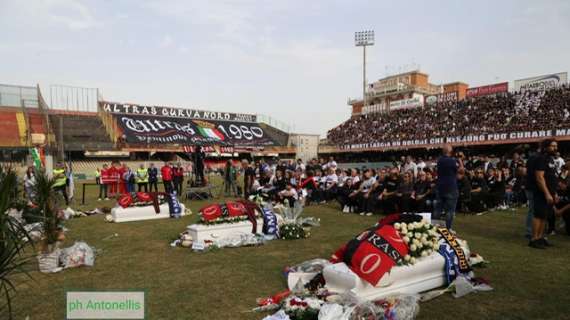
(228, 212)
(293, 228)
(292, 231)
(141, 199)
(421, 238)
(221, 220)
(302, 308)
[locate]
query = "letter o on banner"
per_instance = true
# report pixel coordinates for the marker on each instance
(370, 267)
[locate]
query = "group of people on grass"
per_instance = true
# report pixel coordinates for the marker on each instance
(117, 178)
(453, 183)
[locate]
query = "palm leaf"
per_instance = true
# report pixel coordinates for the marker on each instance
(13, 241)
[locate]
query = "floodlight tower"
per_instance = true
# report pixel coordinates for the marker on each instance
(364, 39)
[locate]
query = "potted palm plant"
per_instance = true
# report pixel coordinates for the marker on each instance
(47, 201)
(13, 241)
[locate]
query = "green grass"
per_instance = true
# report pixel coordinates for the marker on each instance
(529, 284)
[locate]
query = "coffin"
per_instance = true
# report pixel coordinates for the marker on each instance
(202, 232)
(427, 274)
(121, 214)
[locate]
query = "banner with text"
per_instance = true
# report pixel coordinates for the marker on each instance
(135, 109)
(541, 82)
(414, 102)
(513, 137)
(488, 90)
(138, 129)
(442, 98)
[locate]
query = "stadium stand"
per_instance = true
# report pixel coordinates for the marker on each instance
(505, 113)
(81, 131)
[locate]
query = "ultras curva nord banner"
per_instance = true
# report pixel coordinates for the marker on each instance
(139, 129)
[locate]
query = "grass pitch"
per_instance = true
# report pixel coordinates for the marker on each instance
(181, 284)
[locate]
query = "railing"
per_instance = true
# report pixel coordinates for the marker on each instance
(109, 123)
(18, 96)
(70, 98)
(262, 118)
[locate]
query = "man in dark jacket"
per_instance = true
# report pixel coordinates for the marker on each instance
(153, 178)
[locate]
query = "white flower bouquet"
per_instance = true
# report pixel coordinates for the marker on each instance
(421, 238)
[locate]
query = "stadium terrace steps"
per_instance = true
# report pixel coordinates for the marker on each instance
(81, 132)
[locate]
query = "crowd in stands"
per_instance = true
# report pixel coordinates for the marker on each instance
(483, 184)
(501, 113)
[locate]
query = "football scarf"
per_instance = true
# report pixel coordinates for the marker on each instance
(451, 262)
(174, 205)
(452, 241)
(374, 252)
(270, 223)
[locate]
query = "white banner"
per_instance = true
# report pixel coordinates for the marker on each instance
(541, 82)
(512, 137)
(414, 102)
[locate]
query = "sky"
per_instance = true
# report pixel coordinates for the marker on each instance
(292, 60)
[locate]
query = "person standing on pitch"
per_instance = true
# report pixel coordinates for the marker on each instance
(544, 192)
(166, 172)
(142, 178)
(447, 192)
(152, 178)
(106, 180)
(248, 178)
(178, 178)
(60, 181)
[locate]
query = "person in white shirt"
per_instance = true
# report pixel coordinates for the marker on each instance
(559, 162)
(411, 166)
(366, 202)
(300, 165)
(30, 183)
(421, 164)
(331, 164)
(289, 194)
(331, 182)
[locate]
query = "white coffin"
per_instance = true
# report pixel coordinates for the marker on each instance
(121, 214)
(427, 274)
(201, 232)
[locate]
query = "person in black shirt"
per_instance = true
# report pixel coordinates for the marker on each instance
(562, 208)
(388, 196)
(152, 178)
(478, 192)
(464, 187)
(422, 188)
(496, 185)
(405, 192)
(544, 195)
(530, 187)
(248, 178)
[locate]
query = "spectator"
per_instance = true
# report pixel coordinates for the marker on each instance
(97, 176)
(129, 179)
(166, 172)
(60, 181)
(248, 178)
(152, 178)
(142, 178)
(178, 178)
(30, 183)
(106, 180)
